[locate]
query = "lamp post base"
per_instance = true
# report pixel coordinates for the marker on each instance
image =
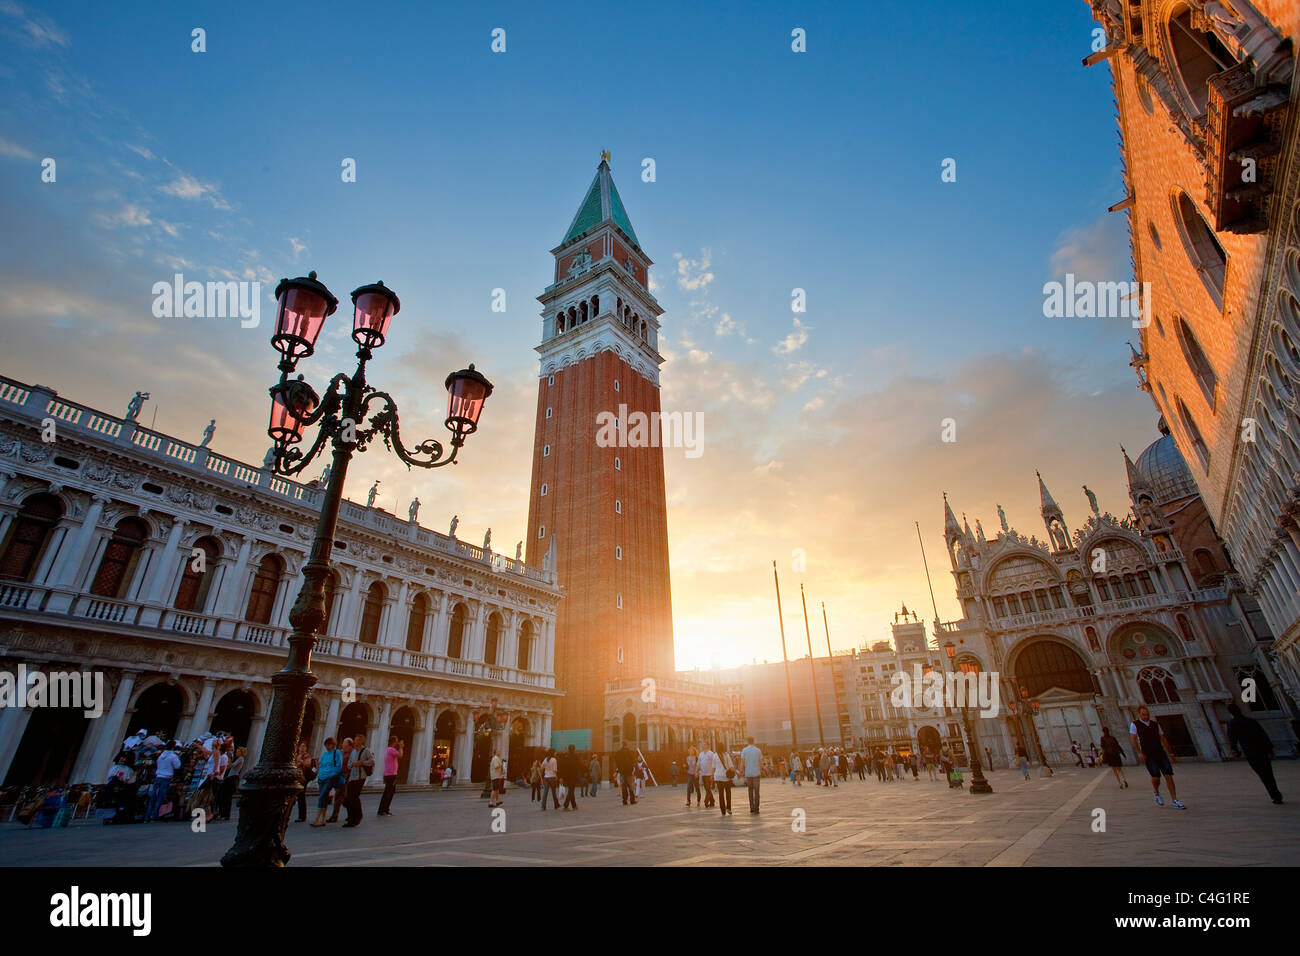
(980, 785)
(1045, 771)
(266, 799)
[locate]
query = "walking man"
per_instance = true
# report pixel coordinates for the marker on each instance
(1244, 735)
(396, 750)
(550, 778)
(692, 776)
(1022, 758)
(569, 773)
(1152, 748)
(753, 759)
(497, 774)
(593, 775)
(707, 757)
(625, 761)
(362, 766)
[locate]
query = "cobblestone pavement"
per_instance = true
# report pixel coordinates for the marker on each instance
(1042, 821)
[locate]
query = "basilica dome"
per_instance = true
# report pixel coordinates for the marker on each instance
(1164, 469)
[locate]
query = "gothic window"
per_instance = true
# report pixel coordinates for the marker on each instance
(1193, 435)
(1093, 643)
(573, 317)
(1204, 561)
(415, 623)
(261, 598)
(192, 595)
(1201, 246)
(456, 633)
(120, 558)
(1013, 604)
(618, 507)
(545, 488)
(549, 411)
(643, 331)
(1185, 629)
(525, 656)
(492, 646)
(541, 531)
(371, 613)
(559, 323)
(1196, 56)
(29, 535)
(1156, 686)
(619, 602)
(582, 312)
(1058, 597)
(999, 607)
(618, 552)
(595, 305)
(546, 451)
(618, 463)
(1196, 361)
(1042, 600)
(1148, 586)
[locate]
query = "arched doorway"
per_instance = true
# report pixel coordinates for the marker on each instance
(234, 716)
(928, 739)
(158, 710)
(49, 748)
(354, 720)
(521, 755)
(629, 730)
(484, 736)
(403, 728)
(1056, 675)
(444, 741)
(308, 722)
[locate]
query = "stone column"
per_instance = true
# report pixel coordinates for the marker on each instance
(66, 576)
(232, 586)
(256, 733)
(441, 626)
(462, 754)
(60, 534)
(478, 634)
(380, 743)
(332, 718)
(111, 737)
(349, 625)
(397, 615)
(202, 712)
(164, 567)
(508, 653)
(13, 724)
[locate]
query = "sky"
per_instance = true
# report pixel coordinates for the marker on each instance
(775, 170)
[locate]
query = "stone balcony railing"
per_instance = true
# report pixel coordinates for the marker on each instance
(1143, 602)
(165, 623)
(36, 403)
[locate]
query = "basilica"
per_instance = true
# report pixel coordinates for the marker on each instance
(1081, 628)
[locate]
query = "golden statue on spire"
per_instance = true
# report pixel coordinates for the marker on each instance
(604, 155)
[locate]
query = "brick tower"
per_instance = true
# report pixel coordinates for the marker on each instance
(601, 512)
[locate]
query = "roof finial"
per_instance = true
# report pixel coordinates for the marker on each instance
(604, 155)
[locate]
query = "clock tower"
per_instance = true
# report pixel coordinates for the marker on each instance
(598, 508)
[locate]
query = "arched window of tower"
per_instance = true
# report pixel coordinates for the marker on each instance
(1202, 248)
(1195, 56)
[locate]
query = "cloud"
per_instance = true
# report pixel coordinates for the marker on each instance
(14, 150)
(794, 341)
(130, 215)
(693, 274)
(1096, 252)
(727, 325)
(298, 246)
(39, 31)
(185, 186)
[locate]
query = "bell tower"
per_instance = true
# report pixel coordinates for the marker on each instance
(601, 504)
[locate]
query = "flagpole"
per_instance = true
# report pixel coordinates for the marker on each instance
(812, 663)
(830, 656)
(934, 604)
(785, 659)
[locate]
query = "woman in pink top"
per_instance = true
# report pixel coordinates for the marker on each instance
(392, 756)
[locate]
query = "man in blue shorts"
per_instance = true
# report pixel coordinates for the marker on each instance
(1152, 748)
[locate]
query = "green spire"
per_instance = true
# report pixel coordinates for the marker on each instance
(601, 203)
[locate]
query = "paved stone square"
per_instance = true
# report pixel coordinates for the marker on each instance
(1040, 822)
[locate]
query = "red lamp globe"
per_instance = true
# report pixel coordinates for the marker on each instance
(374, 307)
(303, 304)
(292, 402)
(467, 390)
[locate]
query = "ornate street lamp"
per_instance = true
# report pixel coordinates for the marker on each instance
(1030, 710)
(268, 793)
(978, 783)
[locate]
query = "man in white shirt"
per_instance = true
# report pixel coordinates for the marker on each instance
(753, 758)
(165, 768)
(707, 757)
(550, 780)
(134, 740)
